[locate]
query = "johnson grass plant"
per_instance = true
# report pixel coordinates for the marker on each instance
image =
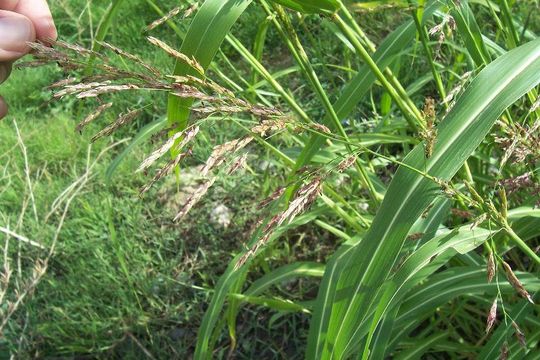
(399, 138)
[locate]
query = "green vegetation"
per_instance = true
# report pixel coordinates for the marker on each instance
(371, 171)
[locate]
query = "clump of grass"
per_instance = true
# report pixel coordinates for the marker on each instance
(377, 289)
(121, 269)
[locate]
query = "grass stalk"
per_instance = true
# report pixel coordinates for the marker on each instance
(291, 38)
(262, 71)
(337, 198)
(521, 244)
(512, 37)
(102, 32)
(391, 77)
(422, 33)
(411, 118)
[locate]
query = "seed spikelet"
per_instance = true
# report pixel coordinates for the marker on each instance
(93, 116)
(122, 120)
(490, 267)
(195, 198)
(514, 281)
(189, 135)
(492, 316)
(163, 19)
(176, 54)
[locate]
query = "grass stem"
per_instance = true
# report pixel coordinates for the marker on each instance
(411, 118)
(521, 244)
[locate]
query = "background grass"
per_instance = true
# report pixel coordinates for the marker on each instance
(125, 281)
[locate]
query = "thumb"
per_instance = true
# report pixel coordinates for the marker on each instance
(15, 31)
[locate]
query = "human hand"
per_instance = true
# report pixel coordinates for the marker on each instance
(21, 21)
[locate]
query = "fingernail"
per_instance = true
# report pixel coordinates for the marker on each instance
(16, 31)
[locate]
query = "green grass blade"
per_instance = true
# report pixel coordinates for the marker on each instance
(383, 335)
(421, 347)
(311, 6)
(498, 86)
(203, 39)
(429, 224)
(471, 34)
(231, 281)
(272, 303)
(285, 273)
(451, 284)
(441, 249)
(141, 137)
(359, 86)
(275, 277)
(102, 32)
(326, 295)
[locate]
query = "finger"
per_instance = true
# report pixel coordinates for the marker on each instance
(15, 31)
(3, 108)
(38, 12)
(5, 70)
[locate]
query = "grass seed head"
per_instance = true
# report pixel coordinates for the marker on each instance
(106, 89)
(191, 10)
(176, 54)
(320, 128)
(274, 196)
(226, 109)
(77, 88)
(427, 210)
(47, 53)
(194, 198)
(479, 220)
(347, 163)
(221, 152)
(415, 236)
(446, 187)
(79, 50)
(522, 182)
(239, 163)
(429, 135)
(131, 57)
(520, 143)
(164, 171)
(122, 120)
(186, 91)
(304, 197)
(264, 111)
(516, 284)
(492, 316)
(206, 83)
(491, 267)
(463, 214)
(93, 116)
(265, 127)
(520, 336)
(163, 19)
(173, 141)
(62, 83)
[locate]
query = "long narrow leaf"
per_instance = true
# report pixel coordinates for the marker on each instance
(358, 87)
(499, 85)
(203, 39)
